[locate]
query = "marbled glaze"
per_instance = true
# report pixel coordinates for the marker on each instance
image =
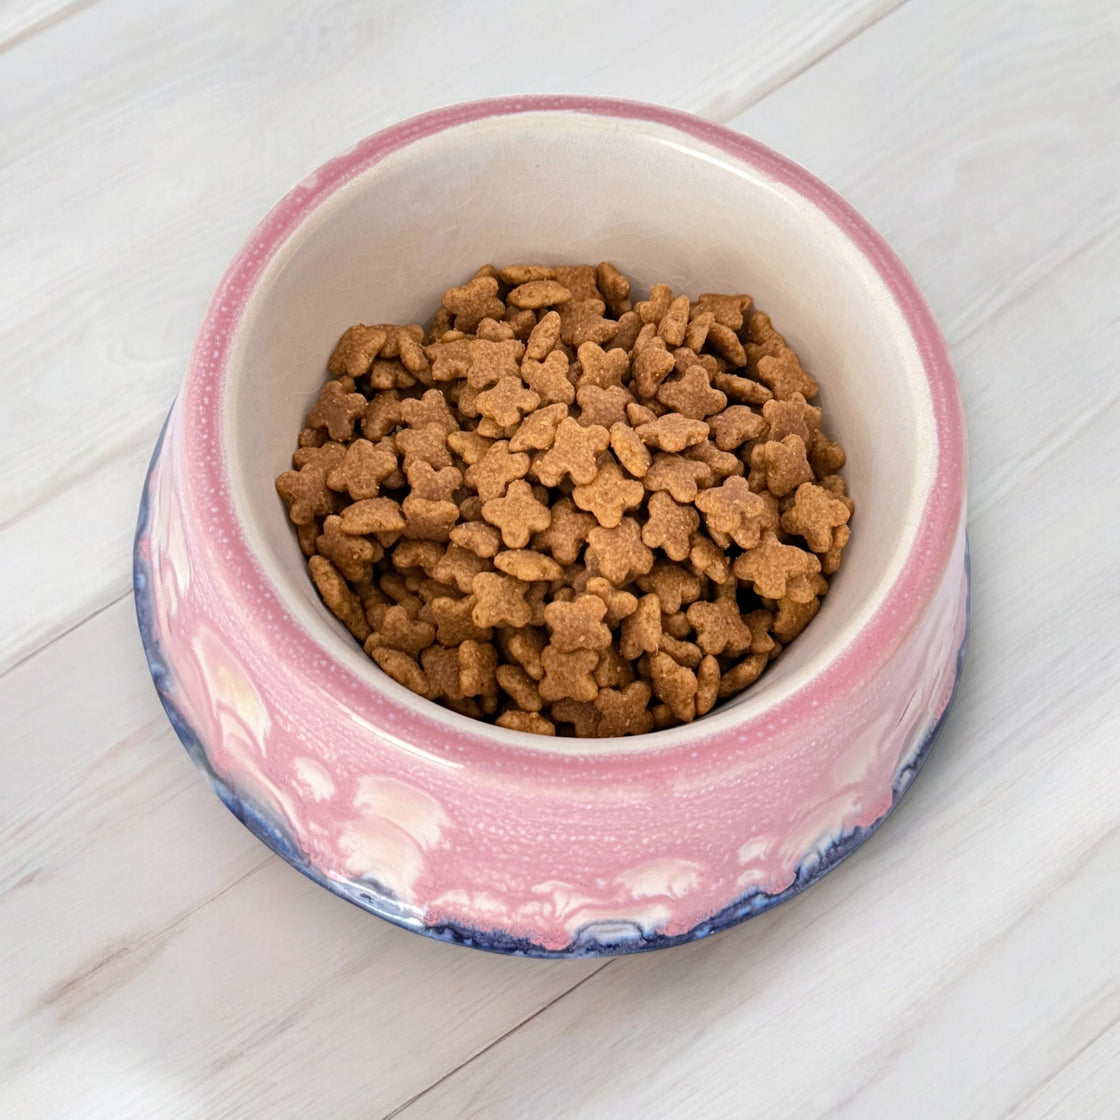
(517, 846)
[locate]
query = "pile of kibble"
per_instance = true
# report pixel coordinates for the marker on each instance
(565, 512)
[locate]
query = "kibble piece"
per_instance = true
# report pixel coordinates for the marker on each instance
(534, 294)
(356, 350)
(499, 601)
(771, 566)
(567, 675)
(608, 495)
(336, 410)
(669, 526)
(578, 624)
(344, 604)
(518, 514)
(573, 454)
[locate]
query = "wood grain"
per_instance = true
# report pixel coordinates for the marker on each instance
(156, 961)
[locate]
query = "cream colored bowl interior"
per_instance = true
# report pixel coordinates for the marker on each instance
(569, 188)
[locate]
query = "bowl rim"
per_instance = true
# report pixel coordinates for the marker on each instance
(425, 723)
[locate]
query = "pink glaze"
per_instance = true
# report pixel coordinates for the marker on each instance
(464, 827)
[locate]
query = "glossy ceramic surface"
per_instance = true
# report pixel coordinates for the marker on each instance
(472, 833)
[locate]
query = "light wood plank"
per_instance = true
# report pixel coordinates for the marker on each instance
(20, 19)
(157, 961)
(127, 194)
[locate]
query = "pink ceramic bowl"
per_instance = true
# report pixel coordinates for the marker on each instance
(473, 833)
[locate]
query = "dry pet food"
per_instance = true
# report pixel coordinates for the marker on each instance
(569, 512)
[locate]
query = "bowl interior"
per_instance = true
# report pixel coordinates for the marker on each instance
(567, 187)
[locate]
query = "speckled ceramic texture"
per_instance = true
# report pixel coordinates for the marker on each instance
(476, 834)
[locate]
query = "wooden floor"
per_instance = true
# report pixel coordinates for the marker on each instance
(156, 961)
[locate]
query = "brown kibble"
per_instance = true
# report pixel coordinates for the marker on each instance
(735, 426)
(732, 510)
(726, 310)
(477, 537)
(507, 401)
(604, 407)
(771, 566)
(531, 723)
(527, 565)
(450, 359)
(720, 628)
(567, 675)
(511, 583)
(567, 533)
(306, 493)
(518, 514)
(691, 394)
(792, 617)
(457, 567)
(741, 389)
(619, 604)
(534, 294)
(441, 670)
(492, 474)
(352, 556)
(537, 431)
(629, 450)
(825, 457)
(478, 663)
(336, 410)
(615, 288)
(673, 432)
(525, 647)
(669, 526)
(490, 362)
(520, 686)
(786, 465)
(427, 444)
(722, 464)
(641, 632)
(573, 453)
(681, 478)
(499, 601)
(454, 621)
(624, 711)
(674, 684)
(608, 495)
(581, 715)
(708, 559)
(785, 377)
(582, 321)
(672, 584)
(399, 631)
(515, 274)
(618, 553)
(355, 351)
(672, 326)
(830, 560)
(726, 344)
(578, 624)
(402, 668)
(707, 685)
(792, 417)
(426, 520)
(745, 673)
(372, 515)
(473, 302)
(815, 515)
(549, 378)
(343, 603)
(650, 366)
